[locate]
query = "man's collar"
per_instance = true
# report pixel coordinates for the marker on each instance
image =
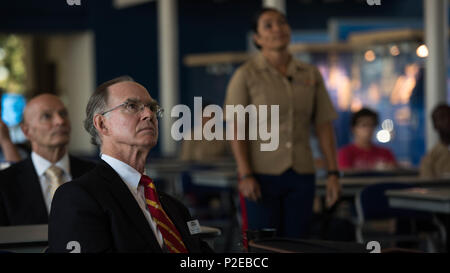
(128, 174)
(41, 164)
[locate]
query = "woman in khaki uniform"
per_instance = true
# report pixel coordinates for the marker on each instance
(278, 186)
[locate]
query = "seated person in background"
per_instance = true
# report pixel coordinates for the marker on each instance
(363, 155)
(437, 162)
(116, 207)
(27, 187)
(204, 151)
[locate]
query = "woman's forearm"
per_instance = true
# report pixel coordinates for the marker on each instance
(10, 151)
(325, 135)
(240, 152)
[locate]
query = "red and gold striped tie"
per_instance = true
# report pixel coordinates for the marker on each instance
(171, 236)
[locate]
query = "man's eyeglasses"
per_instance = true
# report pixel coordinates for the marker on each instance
(135, 107)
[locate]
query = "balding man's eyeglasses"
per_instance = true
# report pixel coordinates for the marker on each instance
(136, 107)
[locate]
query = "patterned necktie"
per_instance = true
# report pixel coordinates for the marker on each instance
(54, 175)
(169, 232)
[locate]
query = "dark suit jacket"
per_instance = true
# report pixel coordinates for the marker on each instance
(21, 198)
(99, 212)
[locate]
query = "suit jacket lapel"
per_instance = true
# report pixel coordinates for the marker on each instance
(32, 191)
(179, 224)
(128, 203)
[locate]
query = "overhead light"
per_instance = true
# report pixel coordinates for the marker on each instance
(383, 136)
(388, 125)
(422, 51)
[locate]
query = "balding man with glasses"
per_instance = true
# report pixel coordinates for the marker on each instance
(116, 207)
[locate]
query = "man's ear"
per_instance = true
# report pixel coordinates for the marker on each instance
(99, 124)
(256, 38)
(25, 129)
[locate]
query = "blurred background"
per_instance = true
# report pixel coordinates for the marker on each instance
(372, 55)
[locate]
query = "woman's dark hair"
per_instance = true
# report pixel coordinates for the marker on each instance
(255, 20)
(441, 122)
(364, 112)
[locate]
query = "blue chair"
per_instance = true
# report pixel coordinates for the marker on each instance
(372, 205)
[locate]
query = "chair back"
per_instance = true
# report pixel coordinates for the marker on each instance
(373, 204)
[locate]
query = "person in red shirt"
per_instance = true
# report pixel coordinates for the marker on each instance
(362, 154)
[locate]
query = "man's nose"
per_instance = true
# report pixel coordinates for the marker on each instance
(58, 119)
(147, 113)
(276, 27)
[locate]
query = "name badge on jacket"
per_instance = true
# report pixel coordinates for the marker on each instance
(194, 227)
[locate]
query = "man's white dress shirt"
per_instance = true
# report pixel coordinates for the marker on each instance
(41, 165)
(131, 177)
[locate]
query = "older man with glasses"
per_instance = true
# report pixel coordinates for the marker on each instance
(116, 207)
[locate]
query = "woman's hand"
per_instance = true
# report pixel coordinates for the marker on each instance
(250, 189)
(333, 190)
(4, 132)
(7, 147)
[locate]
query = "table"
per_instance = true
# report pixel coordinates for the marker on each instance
(214, 173)
(34, 238)
(224, 178)
(378, 173)
(291, 245)
(435, 200)
(352, 186)
(425, 199)
(25, 239)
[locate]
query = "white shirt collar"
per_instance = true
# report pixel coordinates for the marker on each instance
(41, 164)
(128, 174)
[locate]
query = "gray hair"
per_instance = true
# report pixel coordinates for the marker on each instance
(97, 104)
